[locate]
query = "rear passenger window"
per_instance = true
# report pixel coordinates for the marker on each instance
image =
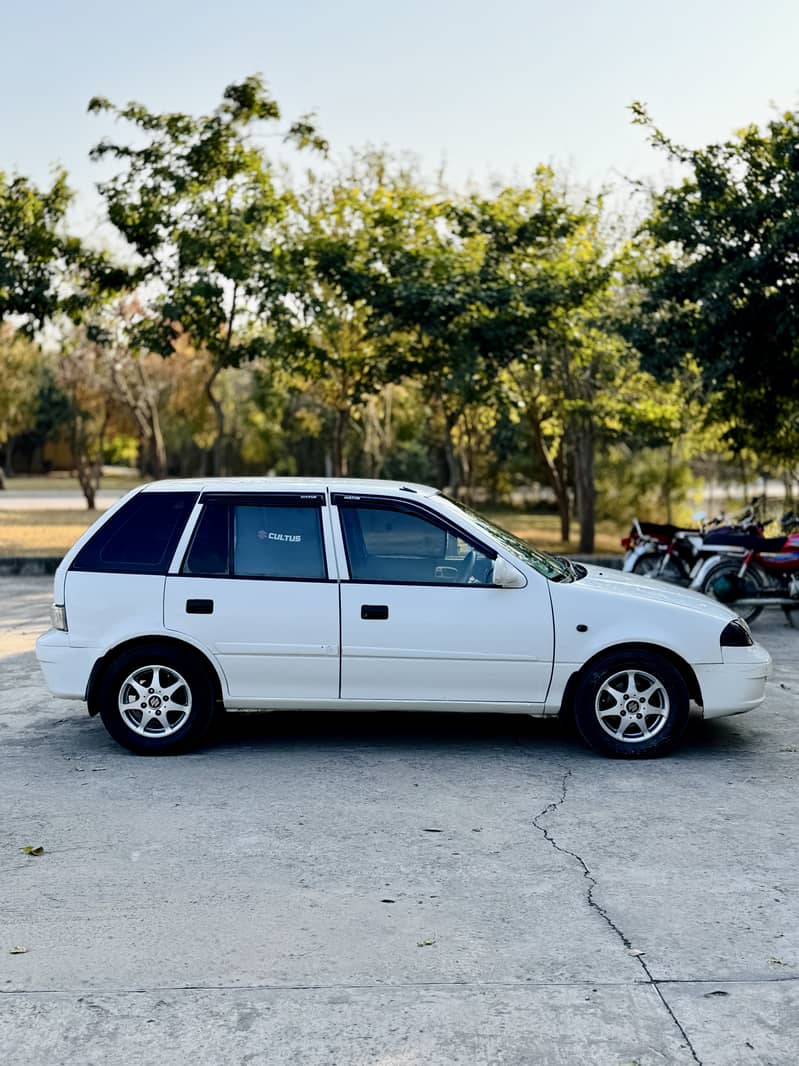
(278, 542)
(248, 540)
(140, 538)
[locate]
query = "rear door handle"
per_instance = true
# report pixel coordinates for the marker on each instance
(374, 611)
(199, 606)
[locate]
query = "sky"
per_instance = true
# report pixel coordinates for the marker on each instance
(485, 89)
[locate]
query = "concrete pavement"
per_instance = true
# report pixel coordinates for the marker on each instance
(394, 890)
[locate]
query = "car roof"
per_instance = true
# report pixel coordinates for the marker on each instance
(355, 485)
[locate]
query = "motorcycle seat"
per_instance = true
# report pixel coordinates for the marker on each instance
(751, 541)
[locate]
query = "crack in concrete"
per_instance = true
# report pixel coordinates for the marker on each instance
(600, 910)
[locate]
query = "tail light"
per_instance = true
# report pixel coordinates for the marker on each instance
(58, 617)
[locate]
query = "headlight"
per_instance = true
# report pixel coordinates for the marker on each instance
(736, 634)
(58, 617)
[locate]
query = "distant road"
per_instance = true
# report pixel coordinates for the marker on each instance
(55, 500)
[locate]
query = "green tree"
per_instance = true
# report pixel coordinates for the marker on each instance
(34, 253)
(198, 203)
(725, 280)
(483, 284)
(22, 372)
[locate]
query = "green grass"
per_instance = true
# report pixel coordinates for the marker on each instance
(64, 482)
(543, 531)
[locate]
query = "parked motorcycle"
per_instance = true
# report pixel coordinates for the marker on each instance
(658, 550)
(671, 553)
(749, 572)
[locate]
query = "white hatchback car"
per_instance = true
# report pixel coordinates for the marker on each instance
(191, 596)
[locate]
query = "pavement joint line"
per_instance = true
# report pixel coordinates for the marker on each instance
(471, 986)
(592, 903)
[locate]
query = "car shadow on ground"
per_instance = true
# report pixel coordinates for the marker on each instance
(387, 729)
(408, 731)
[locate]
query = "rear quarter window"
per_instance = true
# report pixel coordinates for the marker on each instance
(140, 538)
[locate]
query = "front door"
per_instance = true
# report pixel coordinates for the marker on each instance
(254, 588)
(421, 620)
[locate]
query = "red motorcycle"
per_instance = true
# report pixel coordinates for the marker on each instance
(749, 572)
(672, 552)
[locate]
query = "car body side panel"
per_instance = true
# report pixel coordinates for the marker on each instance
(106, 609)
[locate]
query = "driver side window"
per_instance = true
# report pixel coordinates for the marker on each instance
(388, 545)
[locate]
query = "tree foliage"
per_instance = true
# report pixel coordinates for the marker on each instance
(725, 282)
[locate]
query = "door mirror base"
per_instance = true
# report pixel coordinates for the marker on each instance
(507, 576)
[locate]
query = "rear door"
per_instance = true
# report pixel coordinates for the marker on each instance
(255, 587)
(421, 620)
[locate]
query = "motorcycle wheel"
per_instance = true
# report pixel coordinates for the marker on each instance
(649, 566)
(752, 584)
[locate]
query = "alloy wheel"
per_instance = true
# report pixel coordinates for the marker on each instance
(154, 701)
(632, 705)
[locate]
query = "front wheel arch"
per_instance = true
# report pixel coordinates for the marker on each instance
(105, 662)
(689, 676)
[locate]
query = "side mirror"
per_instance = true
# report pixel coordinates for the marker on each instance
(507, 576)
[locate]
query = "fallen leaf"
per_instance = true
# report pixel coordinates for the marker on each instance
(716, 992)
(388, 901)
(425, 943)
(432, 830)
(775, 961)
(29, 849)
(635, 952)
(18, 951)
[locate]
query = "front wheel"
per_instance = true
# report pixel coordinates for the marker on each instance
(724, 585)
(632, 705)
(157, 700)
(659, 565)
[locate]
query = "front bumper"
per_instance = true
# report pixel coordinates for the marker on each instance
(66, 669)
(736, 685)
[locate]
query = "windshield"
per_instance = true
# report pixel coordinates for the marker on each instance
(554, 567)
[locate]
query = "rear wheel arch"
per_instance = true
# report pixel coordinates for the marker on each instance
(106, 662)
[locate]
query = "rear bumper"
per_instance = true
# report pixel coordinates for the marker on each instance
(738, 684)
(66, 669)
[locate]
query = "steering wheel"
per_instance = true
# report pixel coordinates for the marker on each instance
(469, 562)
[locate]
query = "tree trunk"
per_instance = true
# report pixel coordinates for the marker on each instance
(667, 486)
(10, 457)
(219, 415)
(584, 482)
(157, 445)
(339, 456)
(556, 469)
(454, 472)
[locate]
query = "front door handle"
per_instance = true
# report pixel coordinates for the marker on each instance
(199, 606)
(374, 611)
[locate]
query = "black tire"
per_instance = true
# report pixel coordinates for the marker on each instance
(752, 585)
(649, 565)
(649, 726)
(176, 724)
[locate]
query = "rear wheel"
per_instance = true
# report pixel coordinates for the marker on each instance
(724, 585)
(157, 700)
(632, 704)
